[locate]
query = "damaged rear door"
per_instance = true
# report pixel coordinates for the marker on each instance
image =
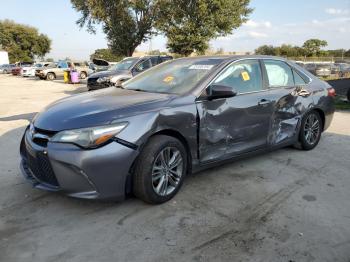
(239, 124)
(290, 99)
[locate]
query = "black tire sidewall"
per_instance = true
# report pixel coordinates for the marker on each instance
(143, 187)
(304, 144)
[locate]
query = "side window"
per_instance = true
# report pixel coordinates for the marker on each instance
(299, 81)
(144, 65)
(243, 77)
(154, 60)
(279, 73)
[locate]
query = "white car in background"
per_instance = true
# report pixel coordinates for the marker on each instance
(30, 70)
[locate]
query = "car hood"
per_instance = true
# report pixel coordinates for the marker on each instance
(109, 73)
(98, 108)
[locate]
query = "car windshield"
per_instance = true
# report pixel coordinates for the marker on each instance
(174, 77)
(125, 64)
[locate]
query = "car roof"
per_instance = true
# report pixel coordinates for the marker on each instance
(227, 58)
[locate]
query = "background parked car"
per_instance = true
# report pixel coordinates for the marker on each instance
(99, 65)
(51, 73)
(17, 70)
(6, 69)
(124, 70)
(323, 70)
(30, 70)
(344, 69)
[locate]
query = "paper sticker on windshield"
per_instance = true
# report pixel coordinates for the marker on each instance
(245, 76)
(168, 79)
(201, 67)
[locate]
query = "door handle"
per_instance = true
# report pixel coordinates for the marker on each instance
(264, 102)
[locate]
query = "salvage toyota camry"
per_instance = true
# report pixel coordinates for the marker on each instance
(177, 118)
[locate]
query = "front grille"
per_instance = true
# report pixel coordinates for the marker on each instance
(41, 168)
(41, 137)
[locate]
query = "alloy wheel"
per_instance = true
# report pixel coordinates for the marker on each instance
(312, 129)
(167, 171)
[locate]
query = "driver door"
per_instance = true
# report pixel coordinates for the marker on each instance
(235, 125)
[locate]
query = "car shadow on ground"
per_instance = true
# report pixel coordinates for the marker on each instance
(28, 116)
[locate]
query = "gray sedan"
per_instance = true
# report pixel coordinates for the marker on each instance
(177, 118)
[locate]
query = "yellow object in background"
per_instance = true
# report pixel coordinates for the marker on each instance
(66, 76)
(245, 76)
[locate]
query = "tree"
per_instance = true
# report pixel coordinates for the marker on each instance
(22, 42)
(126, 23)
(266, 50)
(189, 25)
(106, 54)
(313, 46)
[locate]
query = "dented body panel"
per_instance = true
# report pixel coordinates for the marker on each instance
(212, 130)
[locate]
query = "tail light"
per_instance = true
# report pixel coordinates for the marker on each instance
(331, 92)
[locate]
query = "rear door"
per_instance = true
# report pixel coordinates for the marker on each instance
(288, 94)
(236, 125)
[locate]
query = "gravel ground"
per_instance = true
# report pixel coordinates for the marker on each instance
(288, 205)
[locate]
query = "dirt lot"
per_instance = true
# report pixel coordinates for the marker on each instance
(288, 205)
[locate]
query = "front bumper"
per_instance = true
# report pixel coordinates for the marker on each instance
(93, 174)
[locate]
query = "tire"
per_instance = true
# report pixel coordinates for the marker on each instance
(83, 75)
(310, 130)
(5, 71)
(50, 76)
(152, 183)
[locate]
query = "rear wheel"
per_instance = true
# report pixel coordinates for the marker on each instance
(160, 169)
(50, 76)
(310, 130)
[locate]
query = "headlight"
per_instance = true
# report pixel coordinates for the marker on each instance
(89, 137)
(103, 79)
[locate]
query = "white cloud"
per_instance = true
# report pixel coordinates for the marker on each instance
(335, 11)
(254, 24)
(257, 34)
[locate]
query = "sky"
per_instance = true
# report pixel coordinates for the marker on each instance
(272, 22)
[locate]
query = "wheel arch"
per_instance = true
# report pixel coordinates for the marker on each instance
(321, 113)
(167, 132)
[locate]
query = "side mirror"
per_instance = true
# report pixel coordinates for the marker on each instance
(220, 91)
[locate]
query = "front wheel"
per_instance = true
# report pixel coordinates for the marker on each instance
(310, 130)
(83, 75)
(50, 76)
(160, 169)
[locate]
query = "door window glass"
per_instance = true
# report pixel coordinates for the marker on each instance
(154, 60)
(298, 79)
(279, 73)
(243, 77)
(143, 66)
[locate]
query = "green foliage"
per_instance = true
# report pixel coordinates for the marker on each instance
(156, 52)
(22, 42)
(313, 47)
(126, 23)
(106, 54)
(190, 24)
(266, 50)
